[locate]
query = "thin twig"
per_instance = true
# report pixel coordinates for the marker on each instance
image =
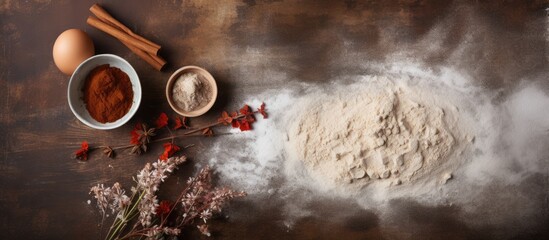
(152, 141)
(173, 137)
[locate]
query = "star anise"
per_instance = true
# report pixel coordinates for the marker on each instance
(108, 151)
(136, 149)
(145, 135)
(208, 132)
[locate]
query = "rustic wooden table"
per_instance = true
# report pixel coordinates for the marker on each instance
(43, 192)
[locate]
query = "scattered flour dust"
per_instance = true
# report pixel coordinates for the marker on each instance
(403, 132)
(395, 131)
(386, 134)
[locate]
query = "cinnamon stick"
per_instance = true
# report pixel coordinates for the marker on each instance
(155, 61)
(103, 15)
(122, 36)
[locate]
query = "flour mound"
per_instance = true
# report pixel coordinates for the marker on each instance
(388, 136)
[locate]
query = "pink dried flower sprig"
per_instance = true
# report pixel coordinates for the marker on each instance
(195, 205)
(112, 198)
(203, 200)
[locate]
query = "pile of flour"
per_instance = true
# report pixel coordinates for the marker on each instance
(490, 149)
(384, 135)
(394, 133)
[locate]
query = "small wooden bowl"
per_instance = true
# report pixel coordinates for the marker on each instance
(202, 74)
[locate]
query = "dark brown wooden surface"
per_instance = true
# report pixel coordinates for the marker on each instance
(43, 192)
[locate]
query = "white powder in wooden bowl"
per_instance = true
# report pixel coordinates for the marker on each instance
(190, 92)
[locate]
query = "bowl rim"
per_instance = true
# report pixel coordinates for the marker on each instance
(171, 81)
(137, 95)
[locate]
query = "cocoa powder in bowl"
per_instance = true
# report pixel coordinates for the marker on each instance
(108, 93)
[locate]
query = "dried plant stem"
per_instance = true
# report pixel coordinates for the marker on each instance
(197, 201)
(190, 133)
(201, 129)
(140, 232)
(126, 216)
(177, 201)
(210, 125)
(155, 140)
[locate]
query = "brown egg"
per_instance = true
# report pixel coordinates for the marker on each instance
(70, 49)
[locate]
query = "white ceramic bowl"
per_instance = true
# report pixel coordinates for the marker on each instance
(78, 78)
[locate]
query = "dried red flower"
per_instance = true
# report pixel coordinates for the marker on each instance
(180, 123)
(261, 110)
(225, 119)
(164, 207)
(245, 125)
(169, 150)
(162, 121)
(234, 123)
(246, 122)
(249, 118)
(245, 110)
(135, 134)
(82, 153)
